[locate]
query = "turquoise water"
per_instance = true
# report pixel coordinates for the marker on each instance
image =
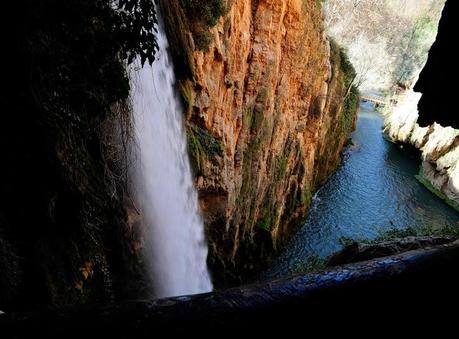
(374, 190)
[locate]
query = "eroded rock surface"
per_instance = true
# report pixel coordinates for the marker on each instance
(266, 123)
(439, 147)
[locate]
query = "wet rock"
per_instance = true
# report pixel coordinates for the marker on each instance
(357, 252)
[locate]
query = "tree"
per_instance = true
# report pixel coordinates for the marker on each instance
(135, 22)
(386, 40)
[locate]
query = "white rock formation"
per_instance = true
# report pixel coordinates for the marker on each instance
(439, 145)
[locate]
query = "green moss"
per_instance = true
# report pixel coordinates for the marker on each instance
(251, 118)
(340, 60)
(281, 167)
(352, 97)
(262, 95)
(265, 223)
(424, 231)
(202, 147)
(207, 11)
(203, 39)
(306, 196)
(270, 215)
(351, 105)
(346, 241)
(420, 177)
(186, 92)
(203, 15)
(346, 67)
(313, 263)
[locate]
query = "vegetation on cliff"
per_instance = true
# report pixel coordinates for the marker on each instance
(63, 229)
(276, 108)
(352, 95)
(387, 40)
(203, 147)
(64, 236)
(203, 15)
(420, 177)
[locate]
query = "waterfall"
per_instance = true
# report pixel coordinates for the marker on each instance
(162, 180)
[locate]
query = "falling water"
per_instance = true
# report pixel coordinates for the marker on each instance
(163, 185)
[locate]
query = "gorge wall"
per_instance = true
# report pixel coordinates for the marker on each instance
(64, 236)
(428, 121)
(264, 91)
(439, 147)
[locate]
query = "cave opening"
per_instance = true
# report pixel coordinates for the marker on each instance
(71, 241)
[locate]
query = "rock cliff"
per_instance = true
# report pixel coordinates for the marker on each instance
(264, 90)
(439, 147)
(64, 237)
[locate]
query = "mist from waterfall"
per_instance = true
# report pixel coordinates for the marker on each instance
(162, 181)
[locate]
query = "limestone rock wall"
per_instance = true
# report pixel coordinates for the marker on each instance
(265, 123)
(439, 147)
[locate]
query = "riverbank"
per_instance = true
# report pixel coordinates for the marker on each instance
(374, 191)
(438, 146)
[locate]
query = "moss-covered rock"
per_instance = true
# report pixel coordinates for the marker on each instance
(62, 216)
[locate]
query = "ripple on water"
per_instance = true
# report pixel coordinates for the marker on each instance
(374, 190)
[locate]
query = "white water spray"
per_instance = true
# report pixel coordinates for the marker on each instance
(163, 185)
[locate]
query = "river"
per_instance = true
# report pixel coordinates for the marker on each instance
(374, 190)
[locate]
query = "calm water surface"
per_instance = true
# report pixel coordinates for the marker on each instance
(374, 190)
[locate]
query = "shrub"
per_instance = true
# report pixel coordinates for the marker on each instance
(313, 263)
(208, 11)
(202, 147)
(423, 231)
(203, 39)
(203, 15)
(265, 223)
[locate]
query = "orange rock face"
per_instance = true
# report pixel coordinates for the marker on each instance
(265, 124)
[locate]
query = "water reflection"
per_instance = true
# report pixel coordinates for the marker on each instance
(375, 189)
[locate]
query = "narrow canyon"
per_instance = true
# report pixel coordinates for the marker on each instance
(270, 104)
(198, 167)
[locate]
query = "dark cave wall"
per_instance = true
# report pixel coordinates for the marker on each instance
(63, 232)
(437, 103)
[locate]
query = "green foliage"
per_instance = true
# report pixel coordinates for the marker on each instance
(347, 68)
(253, 118)
(352, 95)
(202, 147)
(413, 49)
(208, 11)
(282, 163)
(420, 177)
(134, 23)
(262, 95)
(306, 196)
(424, 231)
(346, 241)
(203, 15)
(203, 39)
(68, 99)
(313, 263)
(265, 223)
